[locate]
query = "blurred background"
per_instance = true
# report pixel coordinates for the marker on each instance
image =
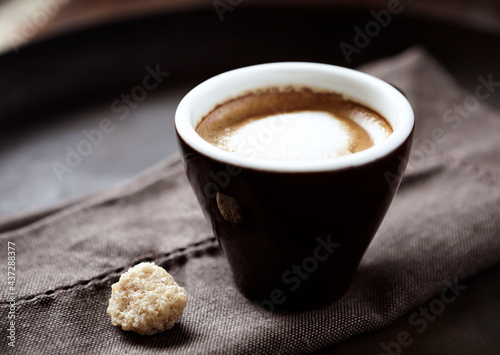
(57, 16)
(67, 15)
(70, 67)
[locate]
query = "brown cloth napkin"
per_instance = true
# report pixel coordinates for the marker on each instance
(442, 227)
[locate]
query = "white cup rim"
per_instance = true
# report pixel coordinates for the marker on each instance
(354, 85)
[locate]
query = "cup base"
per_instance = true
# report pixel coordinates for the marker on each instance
(309, 296)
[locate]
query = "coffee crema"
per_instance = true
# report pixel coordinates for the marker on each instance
(293, 124)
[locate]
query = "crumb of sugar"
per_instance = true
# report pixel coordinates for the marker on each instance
(146, 300)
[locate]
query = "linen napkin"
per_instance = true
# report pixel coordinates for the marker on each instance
(442, 227)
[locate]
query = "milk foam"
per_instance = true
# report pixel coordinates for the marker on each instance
(372, 126)
(288, 137)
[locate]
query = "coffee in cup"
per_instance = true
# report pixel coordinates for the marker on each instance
(293, 124)
(294, 220)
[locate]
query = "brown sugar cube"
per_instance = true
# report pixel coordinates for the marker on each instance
(146, 300)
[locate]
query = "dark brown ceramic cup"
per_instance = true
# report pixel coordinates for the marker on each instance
(295, 232)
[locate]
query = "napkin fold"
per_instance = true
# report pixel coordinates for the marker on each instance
(442, 227)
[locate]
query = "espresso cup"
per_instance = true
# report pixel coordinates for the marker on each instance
(294, 232)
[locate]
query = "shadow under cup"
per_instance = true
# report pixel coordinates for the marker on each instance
(295, 232)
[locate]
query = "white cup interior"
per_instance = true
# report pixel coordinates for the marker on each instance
(354, 85)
